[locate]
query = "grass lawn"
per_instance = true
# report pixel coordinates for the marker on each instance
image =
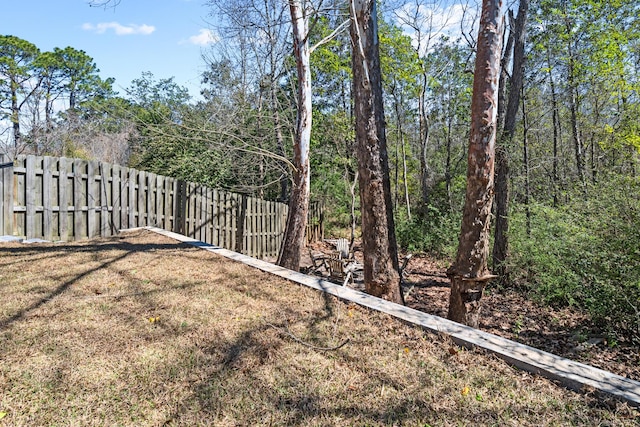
(139, 330)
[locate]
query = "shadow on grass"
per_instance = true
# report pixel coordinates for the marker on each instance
(234, 388)
(37, 252)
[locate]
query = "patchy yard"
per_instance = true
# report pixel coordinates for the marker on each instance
(141, 330)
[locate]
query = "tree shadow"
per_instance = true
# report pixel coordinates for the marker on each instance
(42, 252)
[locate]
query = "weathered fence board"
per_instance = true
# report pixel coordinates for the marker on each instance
(62, 199)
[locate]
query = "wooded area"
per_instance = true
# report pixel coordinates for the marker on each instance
(60, 199)
(568, 138)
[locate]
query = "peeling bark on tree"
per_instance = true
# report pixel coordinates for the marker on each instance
(469, 273)
(381, 268)
(293, 242)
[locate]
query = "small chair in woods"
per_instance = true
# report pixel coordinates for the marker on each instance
(342, 264)
(318, 261)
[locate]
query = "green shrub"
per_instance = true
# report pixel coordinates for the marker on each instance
(433, 231)
(585, 254)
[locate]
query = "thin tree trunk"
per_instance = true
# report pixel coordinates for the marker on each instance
(525, 157)
(501, 236)
(352, 188)
(396, 162)
(574, 107)
(293, 242)
(400, 142)
(381, 268)
(469, 272)
(15, 116)
(504, 78)
(424, 142)
(404, 177)
(557, 132)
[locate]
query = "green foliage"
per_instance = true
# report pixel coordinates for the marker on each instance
(585, 254)
(434, 231)
(333, 166)
(16, 70)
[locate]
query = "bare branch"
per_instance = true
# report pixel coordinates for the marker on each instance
(339, 29)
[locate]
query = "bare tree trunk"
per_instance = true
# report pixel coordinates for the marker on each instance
(400, 142)
(404, 177)
(352, 188)
(504, 78)
(447, 165)
(525, 155)
(15, 116)
(501, 237)
(573, 106)
(381, 268)
(293, 242)
(557, 131)
(469, 272)
(424, 143)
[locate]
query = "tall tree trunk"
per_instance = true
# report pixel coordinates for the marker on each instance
(504, 79)
(469, 273)
(525, 157)
(557, 131)
(352, 189)
(260, 138)
(400, 143)
(574, 108)
(293, 241)
(448, 175)
(15, 115)
(404, 177)
(424, 142)
(381, 275)
(501, 236)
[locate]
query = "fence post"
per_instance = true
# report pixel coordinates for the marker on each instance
(241, 217)
(6, 173)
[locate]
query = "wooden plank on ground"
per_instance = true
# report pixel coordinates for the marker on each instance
(574, 375)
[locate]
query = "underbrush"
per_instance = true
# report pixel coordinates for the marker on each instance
(432, 231)
(585, 254)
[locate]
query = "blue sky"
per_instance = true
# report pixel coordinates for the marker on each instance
(165, 37)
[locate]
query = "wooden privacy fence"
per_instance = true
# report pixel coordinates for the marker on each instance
(70, 199)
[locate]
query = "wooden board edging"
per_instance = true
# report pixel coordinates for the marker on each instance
(572, 374)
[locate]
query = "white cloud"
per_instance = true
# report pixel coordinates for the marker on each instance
(204, 37)
(119, 29)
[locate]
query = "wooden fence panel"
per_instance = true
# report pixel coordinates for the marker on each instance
(48, 168)
(71, 199)
(6, 178)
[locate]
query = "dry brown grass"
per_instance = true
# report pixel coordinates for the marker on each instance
(143, 331)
